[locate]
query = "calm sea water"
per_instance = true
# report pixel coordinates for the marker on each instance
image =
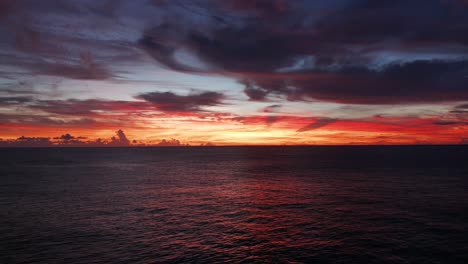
(235, 204)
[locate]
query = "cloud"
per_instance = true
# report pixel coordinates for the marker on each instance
(86, 69)
(15, 100)
(208, 144)
(255, 93)
(271, 108)
(360, 52)
(450, 123)
(320, 122)
(5, 7)
(365, 52)
(67, 140)
(80, 66)
(33, 140)
(62, 39)
(88, 113)
(66, 137)
(42, 121)
(412, 82)
(89, 106)
(170, 143)
(120, 140)
(460, 111)
(27, 142)
(168, 101)
(462, 106)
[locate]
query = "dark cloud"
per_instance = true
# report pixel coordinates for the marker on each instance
(33, 139)
(46, 121)
(170, 143)
(168, 101)
(6, 7)
(103, 113)
(120, 139)
(344, 51)
(411, 82)
(271, 108)
(321, 122)
(65, 137)
(255, 93)
(87, 69)
(27, 142)
(84, 67)
(416, 21)
(450, 123)
(462, 106)
(235, 50)
(67, 140)
(460, 110)
(89, 106)
(23, 88)
(44, 39)
(362, 52)
(261, 6)
(15, 100)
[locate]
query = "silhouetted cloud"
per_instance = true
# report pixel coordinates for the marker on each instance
(168, 101)
(27, 142)
(67, 140)
(120, 139)
(271, 108)
(449, 122)
(255, 93)
(170, 143)
(321, 122)
(66, 137)
(34, 141)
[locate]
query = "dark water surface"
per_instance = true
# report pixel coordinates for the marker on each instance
(235, 204)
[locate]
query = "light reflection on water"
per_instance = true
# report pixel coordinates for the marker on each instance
(281, 204)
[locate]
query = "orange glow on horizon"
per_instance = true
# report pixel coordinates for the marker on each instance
(257, 131)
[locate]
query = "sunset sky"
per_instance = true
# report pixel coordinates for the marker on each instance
(234, 72)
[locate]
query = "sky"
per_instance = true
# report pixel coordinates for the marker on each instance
(233, 72)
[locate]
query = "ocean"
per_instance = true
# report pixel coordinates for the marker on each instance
(355, 204)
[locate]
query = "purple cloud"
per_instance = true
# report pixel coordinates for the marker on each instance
(168, 101)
